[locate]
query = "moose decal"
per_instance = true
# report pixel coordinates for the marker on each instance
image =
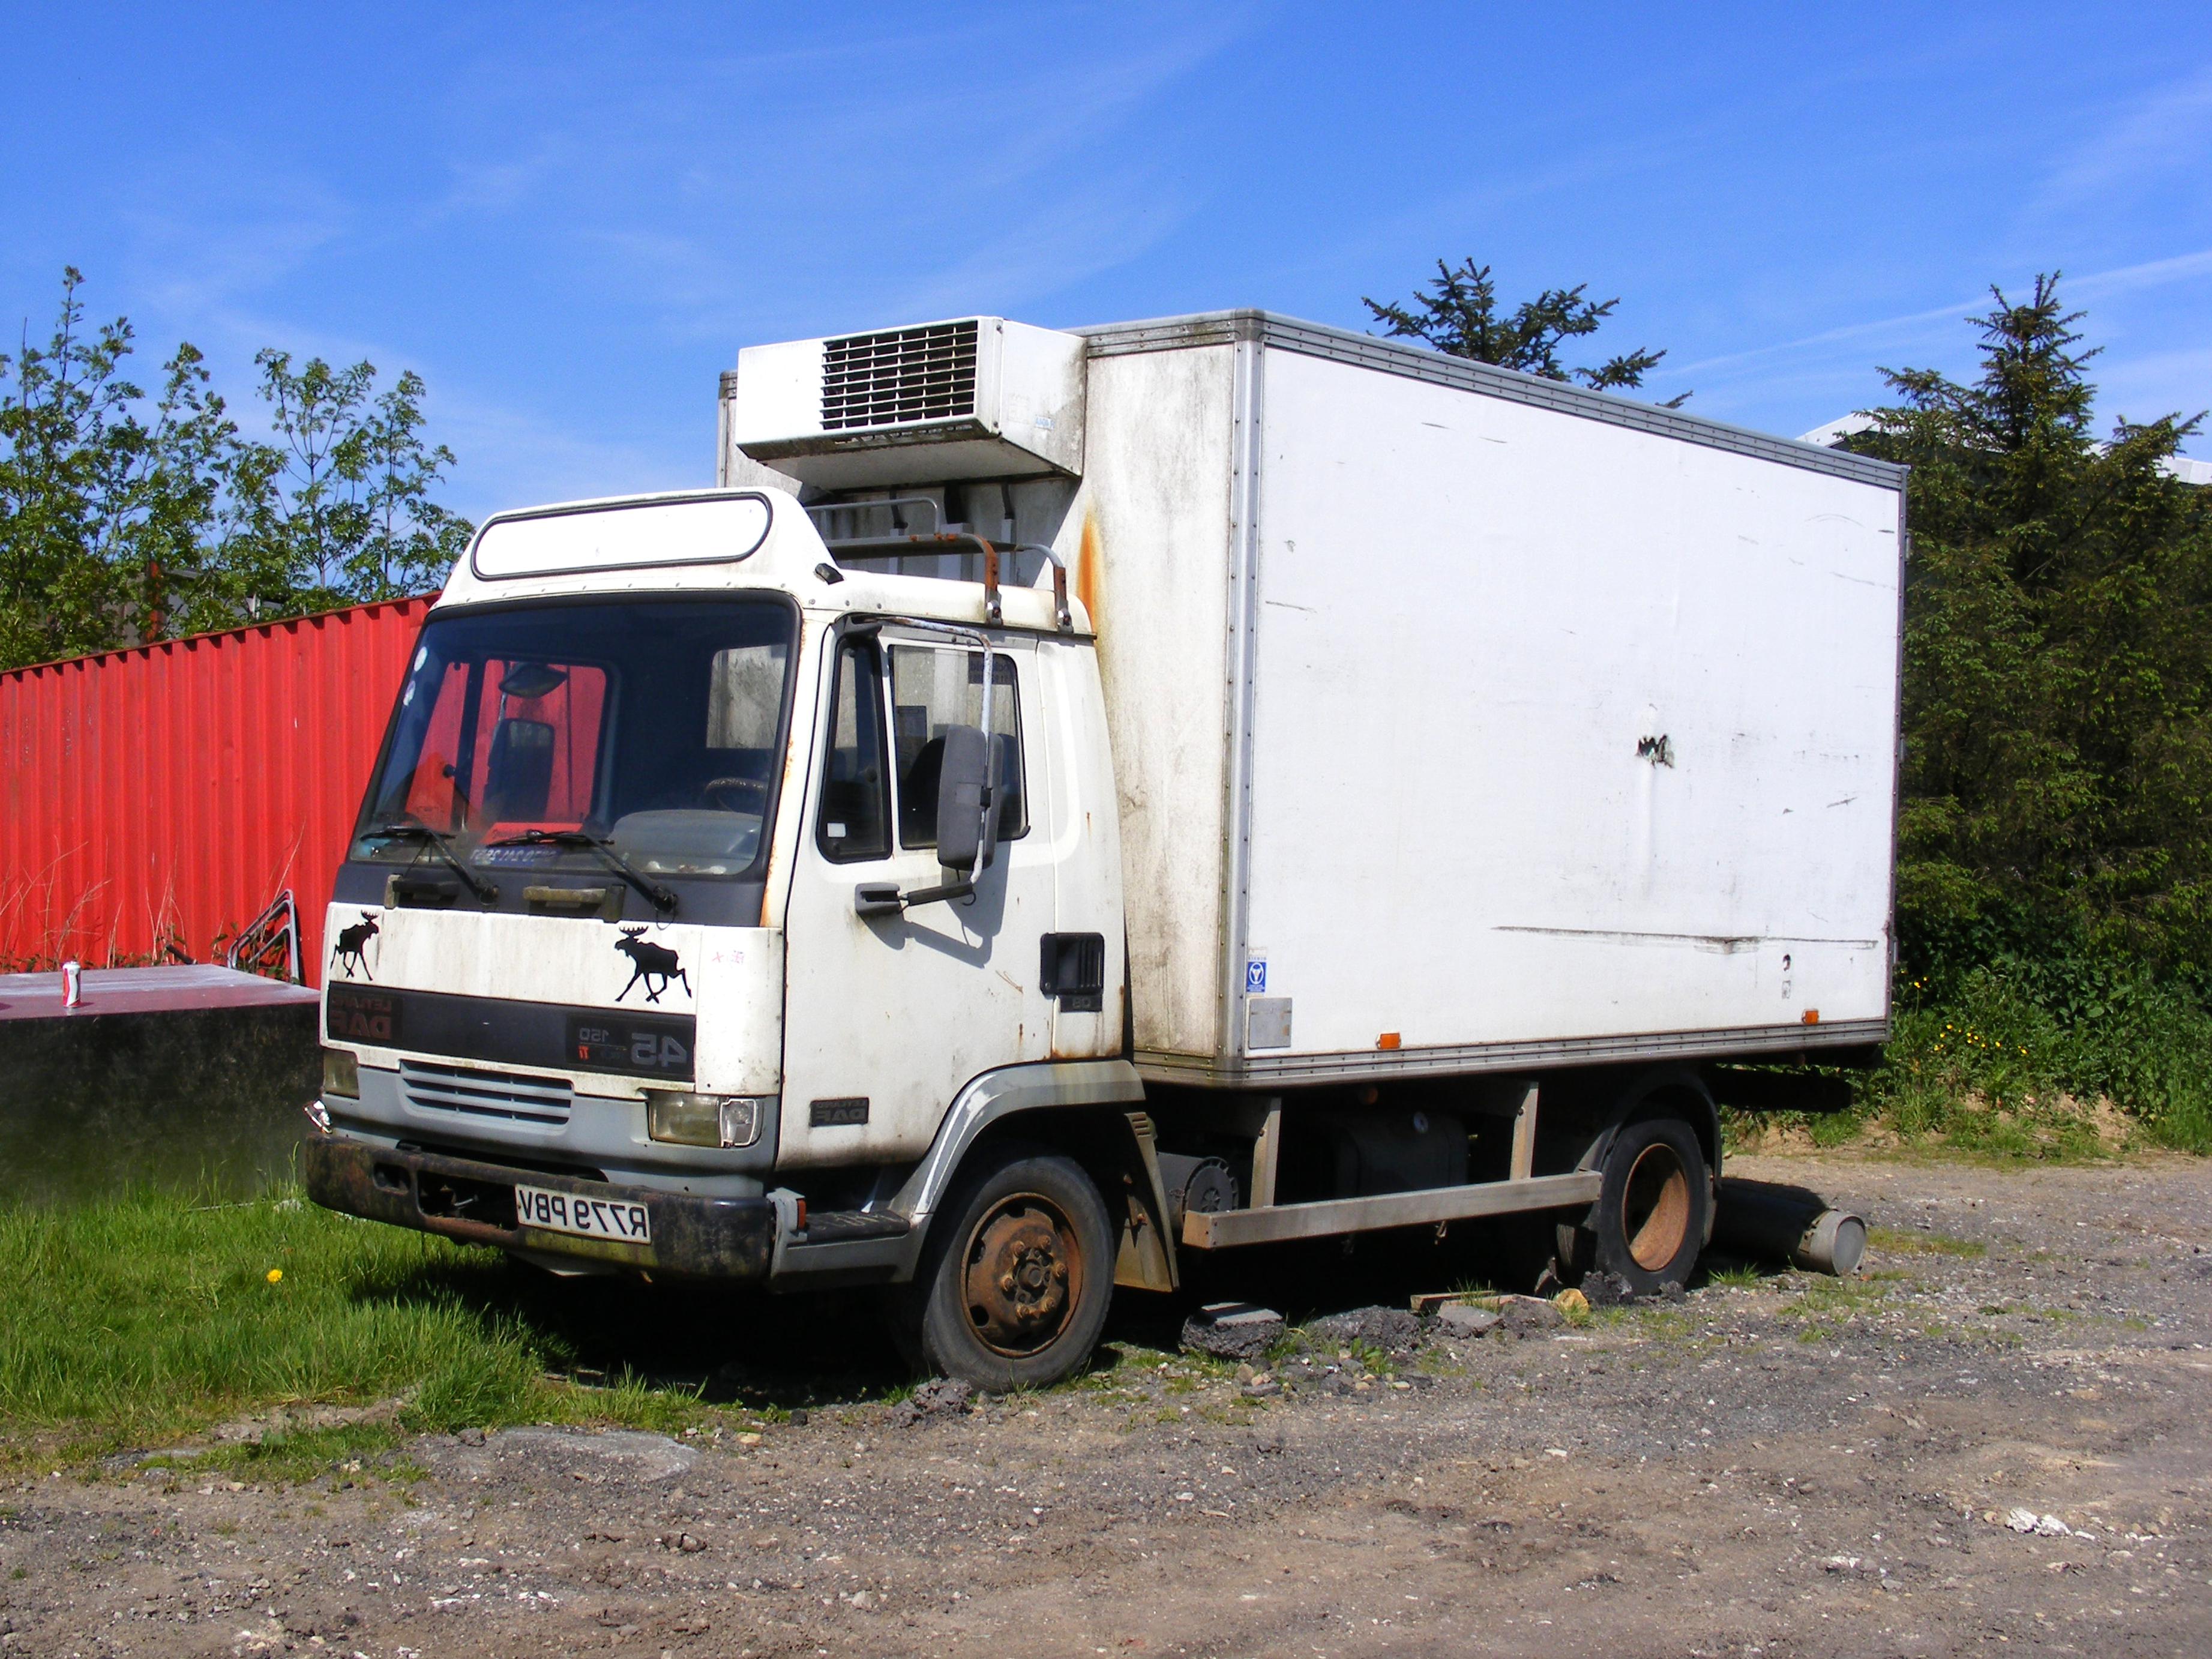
(649, 963)
(348, 953)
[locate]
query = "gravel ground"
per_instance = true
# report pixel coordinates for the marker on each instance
(1996, 1438)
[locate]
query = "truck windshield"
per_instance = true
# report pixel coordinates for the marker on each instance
(655, 725)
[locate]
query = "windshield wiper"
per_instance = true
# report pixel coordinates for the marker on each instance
(603, 848)
(400, 829)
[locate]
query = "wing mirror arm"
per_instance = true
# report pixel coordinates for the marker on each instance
(877, 898)
(883, 898)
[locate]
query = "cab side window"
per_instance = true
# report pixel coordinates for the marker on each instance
(855, 821)
(933, 688)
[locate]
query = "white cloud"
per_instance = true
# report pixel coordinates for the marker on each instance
(2151, 273)
(1045, 250)
(211, 226)
(739, 194)
(512, 457)
(2163, 131)
(1818, 373)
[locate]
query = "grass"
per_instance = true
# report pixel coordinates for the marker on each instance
(298, 1456)
(1739, 1276)
(136, 1320)
(1826, 1305)
(1655, 1321)
(1908, 1241)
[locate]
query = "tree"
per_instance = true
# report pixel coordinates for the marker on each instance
(313, 513)
(1457, 315)
(346, 489)
(67, 440)
(2058, 657)
(124, 519)
(412, 541)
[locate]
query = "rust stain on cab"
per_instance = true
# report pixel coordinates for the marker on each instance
(1091, 574)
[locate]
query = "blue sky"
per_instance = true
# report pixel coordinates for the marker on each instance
(569, 219)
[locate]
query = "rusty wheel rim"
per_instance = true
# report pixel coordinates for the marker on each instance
(1023, 1275)
(1655, 1208)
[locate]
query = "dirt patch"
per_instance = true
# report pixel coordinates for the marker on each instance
(1785, 1464)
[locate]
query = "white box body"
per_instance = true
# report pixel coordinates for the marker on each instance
(1503, 722)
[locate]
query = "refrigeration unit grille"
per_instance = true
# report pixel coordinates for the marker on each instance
(900, 375)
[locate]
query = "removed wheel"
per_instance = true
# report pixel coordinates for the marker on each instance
(1651, 1216)
(1012, 1290)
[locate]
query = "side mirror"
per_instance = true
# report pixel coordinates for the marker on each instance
(967, 828)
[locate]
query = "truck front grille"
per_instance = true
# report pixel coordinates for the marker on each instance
(900, 375)
(505, 1094)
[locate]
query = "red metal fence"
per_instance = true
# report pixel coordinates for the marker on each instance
(153, 802)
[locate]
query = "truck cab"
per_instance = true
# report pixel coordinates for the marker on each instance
(699, 877)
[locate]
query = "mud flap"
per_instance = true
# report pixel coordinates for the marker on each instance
(1146, 1260)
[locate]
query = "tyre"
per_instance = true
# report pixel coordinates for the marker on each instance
(1012, 1288)
(1653, 1210)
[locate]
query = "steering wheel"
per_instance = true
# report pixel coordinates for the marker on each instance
(756, 788)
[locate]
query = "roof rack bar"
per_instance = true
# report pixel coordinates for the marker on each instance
(1060, 614)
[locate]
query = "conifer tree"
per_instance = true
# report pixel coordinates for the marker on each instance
(2058, 658)
(1458, 314)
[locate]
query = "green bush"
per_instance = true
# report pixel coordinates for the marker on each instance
(1991, 1060)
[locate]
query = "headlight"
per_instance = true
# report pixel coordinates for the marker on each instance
(340, 1073)
(701, 1120)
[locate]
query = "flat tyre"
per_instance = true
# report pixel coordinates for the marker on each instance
(1655, 1206)
(1014, 1285)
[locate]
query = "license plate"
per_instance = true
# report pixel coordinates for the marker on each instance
(587, 1217)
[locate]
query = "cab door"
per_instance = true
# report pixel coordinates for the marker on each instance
(887, 1017)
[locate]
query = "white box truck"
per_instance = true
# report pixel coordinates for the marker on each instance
(1069, 799)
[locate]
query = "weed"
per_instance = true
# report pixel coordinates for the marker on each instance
(1371, 1355)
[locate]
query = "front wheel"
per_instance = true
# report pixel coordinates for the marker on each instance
(1013, 1289)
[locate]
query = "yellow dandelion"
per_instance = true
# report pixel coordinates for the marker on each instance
(275, 1273)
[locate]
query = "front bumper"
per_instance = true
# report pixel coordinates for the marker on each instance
(693, 1237)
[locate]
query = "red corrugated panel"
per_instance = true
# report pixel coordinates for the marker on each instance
(163, 795)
